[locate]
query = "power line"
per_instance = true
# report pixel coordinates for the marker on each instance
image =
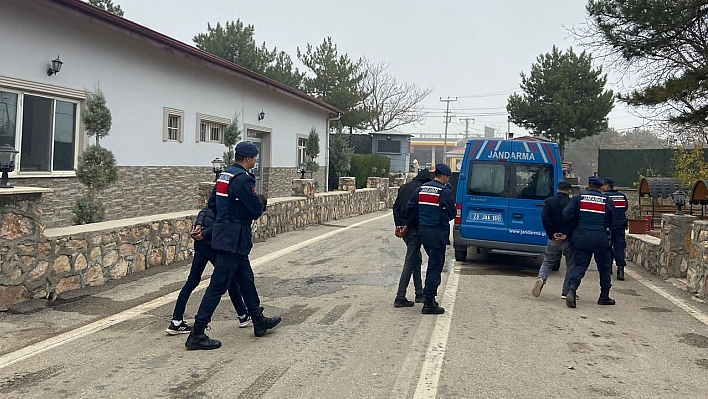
(447, 121)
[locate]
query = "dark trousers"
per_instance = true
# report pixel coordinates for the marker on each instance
(603, 258)
(229, 270)
(411, 266)
(203, 253)
(619, 246)
(436, 261)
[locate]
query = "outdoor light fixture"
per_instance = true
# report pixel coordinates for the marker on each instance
(373, 170)
(383, 172)
(302, 170)
(56, 67)
(7, 164)
(217, 165)
(679, 200)
(261, 115)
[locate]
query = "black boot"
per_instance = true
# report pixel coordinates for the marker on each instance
(261, 323)
(604, 298)
(620, 273)
(570, 298)
(431, 307)
(199, 340)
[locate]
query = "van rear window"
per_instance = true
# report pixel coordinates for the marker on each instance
(511, 180)
(488, 178)
(531, 181)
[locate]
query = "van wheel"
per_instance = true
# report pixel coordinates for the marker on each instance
(461, 254)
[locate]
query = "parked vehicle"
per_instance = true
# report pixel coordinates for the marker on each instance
(500, 196)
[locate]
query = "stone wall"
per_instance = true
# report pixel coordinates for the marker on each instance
(39, 264)
(140, 191)
(682, 251)
(279, 181)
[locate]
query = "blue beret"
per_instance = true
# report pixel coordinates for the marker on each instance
(595, 181)
(608, 180)
(444, 169)
(246, 149)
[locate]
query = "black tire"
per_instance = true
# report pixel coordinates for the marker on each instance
(461, 254)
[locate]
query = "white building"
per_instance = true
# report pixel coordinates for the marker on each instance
(170, 103)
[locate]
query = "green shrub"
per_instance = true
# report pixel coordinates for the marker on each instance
(363, 165)
(88, 210)
(97, 168)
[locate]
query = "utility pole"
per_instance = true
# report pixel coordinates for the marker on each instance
(467, 127)
(447, 120)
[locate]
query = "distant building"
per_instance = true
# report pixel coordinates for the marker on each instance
(395, 145)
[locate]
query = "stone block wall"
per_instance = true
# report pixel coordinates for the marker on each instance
(682, 251)
(140, 191)
(279, 179)
(39, 264)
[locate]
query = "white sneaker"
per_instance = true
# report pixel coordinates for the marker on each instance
(536, 291)
(244, 321)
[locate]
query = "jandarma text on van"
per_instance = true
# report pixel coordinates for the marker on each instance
(527, 156)
(527, 232)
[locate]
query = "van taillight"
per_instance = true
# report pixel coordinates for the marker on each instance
(458, 215)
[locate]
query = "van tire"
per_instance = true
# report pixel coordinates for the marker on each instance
(461, 254)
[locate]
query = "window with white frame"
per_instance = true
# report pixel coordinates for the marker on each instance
(210, 129)
(301, 146)
(173, 121)
(42, 128)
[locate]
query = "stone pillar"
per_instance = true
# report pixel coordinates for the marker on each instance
(23, 262)
(399, 181)
(697, 273)
(204, 190)
(347, 184)
(373, 182)
(675, 244)
(383, 188)
(303, 188)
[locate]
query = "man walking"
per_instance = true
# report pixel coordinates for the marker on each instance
(237, 206)
(433, 206)
(619, 199)
(592, 212)
(409, 234)
(559, 233)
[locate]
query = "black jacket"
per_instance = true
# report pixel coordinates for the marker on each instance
(404, 194)
(552, 216)
(206, 219)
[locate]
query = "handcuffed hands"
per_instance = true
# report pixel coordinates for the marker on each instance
(401, 231)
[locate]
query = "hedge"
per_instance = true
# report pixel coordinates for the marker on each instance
(363, 165)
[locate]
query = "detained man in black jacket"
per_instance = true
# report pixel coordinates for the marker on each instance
(414, 259)
(559, 233)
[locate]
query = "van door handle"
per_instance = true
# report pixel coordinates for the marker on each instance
(540, 204)
(517, 216)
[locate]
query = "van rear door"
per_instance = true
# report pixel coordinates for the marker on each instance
(532, 180)
(485, 203)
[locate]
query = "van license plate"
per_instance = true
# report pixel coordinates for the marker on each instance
(486, 217)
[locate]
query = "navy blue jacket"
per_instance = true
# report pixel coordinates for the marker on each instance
(237, 206)
(592, 214)
(405, 192)
(620, 201)
(433, 206)
(552, 216)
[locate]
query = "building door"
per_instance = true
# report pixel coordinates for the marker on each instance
(258, 138)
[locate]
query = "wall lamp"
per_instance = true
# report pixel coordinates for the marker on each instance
(261, 115)
(56, 67)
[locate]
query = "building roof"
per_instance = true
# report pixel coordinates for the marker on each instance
(95, 14)
(391, 132)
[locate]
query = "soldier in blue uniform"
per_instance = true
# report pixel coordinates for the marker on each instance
(238, 205)
(433, 206)
(592, 214)
(617, 231)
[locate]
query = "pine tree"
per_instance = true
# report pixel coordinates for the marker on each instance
(108, 6)
(312, 150)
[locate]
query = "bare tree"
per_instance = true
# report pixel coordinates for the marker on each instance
(391, 103)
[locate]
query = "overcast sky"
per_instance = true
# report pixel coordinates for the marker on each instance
(470, 49)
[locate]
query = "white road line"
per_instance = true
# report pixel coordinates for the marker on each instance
(432, 365)
(61, 339)
(688, 308)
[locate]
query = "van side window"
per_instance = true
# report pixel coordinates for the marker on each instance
(532, 181)
(487, 178)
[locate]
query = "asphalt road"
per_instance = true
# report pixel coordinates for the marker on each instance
(341, 337)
